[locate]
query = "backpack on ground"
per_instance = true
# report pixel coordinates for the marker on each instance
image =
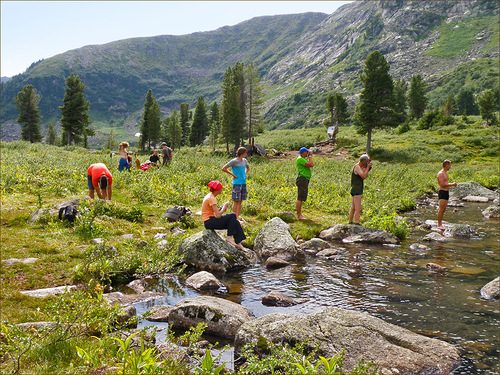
(175, 213)
(68, 213)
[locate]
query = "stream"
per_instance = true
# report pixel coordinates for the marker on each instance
(391, 283)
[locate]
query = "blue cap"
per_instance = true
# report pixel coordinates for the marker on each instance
(303, 149)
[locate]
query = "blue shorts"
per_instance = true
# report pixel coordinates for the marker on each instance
(123, 164)
(89, 182)
(239, 193)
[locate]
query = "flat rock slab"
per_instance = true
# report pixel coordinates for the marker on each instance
(158, 313)
(475, 198)
(350, 233)
(491, 290)
(372, 237)
(328, 253)
(314, 245)
(434, 236)
(11, 261)
(127, 299)
(46, 292)
(472, 188)
(419, 247)
(277, 299)
(394, 350)
(223, 318)
(492, 212)
(274, 263)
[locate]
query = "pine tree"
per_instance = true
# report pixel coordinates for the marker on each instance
(199, 128)
(214, 125)
(487, 106)
(399, 100)
(111, 142)
(75, 118)
(231, 125)
(174, 130)
(29, 114)
(240, 82)
(151, 123)
(449, 106)
(417, 101)
(51, 138)
(375, 109)
(466, 104)
(337, 108)
(254, 99)
(184, 122)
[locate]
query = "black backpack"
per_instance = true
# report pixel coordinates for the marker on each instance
(68, 213)
(175, 213)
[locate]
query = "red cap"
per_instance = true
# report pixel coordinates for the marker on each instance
(215, 185)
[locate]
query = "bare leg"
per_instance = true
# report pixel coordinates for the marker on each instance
(351, 211)
(356, 200)
(298, 208)
(442, 208)
(91, 193)
(237, 208)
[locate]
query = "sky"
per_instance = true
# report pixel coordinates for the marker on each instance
(34, 30)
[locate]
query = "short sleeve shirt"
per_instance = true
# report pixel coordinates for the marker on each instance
(302, 169)
(239, 169)
(95, 171)
(207, 210)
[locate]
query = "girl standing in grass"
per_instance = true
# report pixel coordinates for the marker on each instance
(123, 151)
(239, 170)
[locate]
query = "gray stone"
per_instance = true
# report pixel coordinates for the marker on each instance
(127, 236)
(126, 316)
(97, 241)
(394, 350)
(172, 352)
(45, 292)
(314, 245)
(158, 314)
(277, 299)
(127, 299)
(11, 261)
(419, 247)
(162, 244)
(491, 290)
(372, 237)
(274, 263)
(203, 280)
(472, 188)
(492, 212)
(463, 231)
(275, 240)
(138, 286)
(37, 325)
(434, 236)
(160, 236)
(340, 231)
(38, 215)
(475, 198)
(209, 252)
(176, 231)
(434, 267)
(328, 253)
(223, 318)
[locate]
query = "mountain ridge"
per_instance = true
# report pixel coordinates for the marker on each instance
(300, 58)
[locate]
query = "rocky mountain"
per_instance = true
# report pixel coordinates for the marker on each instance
(301, 57)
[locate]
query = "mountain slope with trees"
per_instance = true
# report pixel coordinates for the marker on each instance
(451, 44)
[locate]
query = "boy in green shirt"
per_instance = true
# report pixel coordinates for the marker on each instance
(304, 164)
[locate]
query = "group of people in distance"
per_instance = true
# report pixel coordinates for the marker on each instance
(100, 179)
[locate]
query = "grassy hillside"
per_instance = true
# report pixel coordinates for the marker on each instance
(36, 175)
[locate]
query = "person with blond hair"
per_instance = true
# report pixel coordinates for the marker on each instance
(124, 157)
(213, 217)
(239, 170)
(358, 174)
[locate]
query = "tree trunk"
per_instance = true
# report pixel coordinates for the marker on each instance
(369, 141)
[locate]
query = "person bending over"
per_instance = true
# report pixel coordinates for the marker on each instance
(213, 217)
(99, 179)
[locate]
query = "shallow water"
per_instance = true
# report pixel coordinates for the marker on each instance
(391, 283)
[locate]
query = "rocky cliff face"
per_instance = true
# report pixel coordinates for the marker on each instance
(300, 57)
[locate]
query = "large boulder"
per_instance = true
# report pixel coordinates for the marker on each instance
(394, 350)
(223, 318)
(275, 240)
(314, 245)
(207, 251)
(492, 212)
(491, 290)
(472, 188)
(351, 233)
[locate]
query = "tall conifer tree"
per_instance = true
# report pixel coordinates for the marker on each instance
(254, 101)
(184, 122)
(199, 128)
(214, 125)
(29, 114)
(151, 123)
(75, 118)
(417, 101)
